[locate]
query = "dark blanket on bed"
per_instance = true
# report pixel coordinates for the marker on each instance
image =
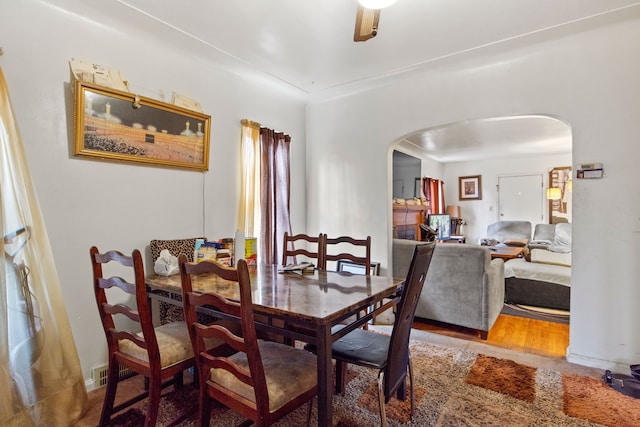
(536, 293)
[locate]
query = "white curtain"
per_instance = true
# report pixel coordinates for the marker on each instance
(249, 209)
(41, 382)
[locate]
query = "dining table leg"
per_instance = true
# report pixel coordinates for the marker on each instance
(325, 380)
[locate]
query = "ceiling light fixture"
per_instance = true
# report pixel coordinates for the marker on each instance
(367, 18)
(366, 24)
(376, 4)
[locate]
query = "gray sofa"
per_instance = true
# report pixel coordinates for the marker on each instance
(464, 286)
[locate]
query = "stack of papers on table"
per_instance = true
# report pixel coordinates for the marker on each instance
(304, 267)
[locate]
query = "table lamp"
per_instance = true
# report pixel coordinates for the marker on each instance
(454, 213)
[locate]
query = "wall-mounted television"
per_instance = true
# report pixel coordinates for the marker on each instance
(441, 223)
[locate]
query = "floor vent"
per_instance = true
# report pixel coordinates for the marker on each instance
(100, 374)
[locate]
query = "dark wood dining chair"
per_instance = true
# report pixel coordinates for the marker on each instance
(161, 354)
(388, 354)
(355, 246)
(289, 250)
(359, 252)
(262, 380)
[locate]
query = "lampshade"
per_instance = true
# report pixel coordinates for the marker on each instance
(554, 193)
(453, 211)
(376, 4)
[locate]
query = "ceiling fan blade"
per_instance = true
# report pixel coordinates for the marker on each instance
(366, 24)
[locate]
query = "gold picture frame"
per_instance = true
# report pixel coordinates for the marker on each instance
(470, 187)
(121, 126)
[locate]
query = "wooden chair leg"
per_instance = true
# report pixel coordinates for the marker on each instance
(205, 408)
(341, 376)
(110, 394)
(153, 406)
(178, 380)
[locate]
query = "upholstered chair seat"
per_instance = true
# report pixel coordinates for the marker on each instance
(288, 373)
(174, 344)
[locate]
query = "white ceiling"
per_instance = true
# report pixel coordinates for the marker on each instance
(495, 137)
(308, 45)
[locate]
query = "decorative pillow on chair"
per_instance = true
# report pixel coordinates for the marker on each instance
(175, 246)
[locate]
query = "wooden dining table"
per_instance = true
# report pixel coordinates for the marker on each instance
(300, 306)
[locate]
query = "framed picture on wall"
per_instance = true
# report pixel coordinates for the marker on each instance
(470, 187)
(121, 126)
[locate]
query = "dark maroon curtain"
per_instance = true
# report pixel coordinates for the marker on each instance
(434, 192)
(275, 192)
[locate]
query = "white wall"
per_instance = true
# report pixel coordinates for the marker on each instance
(590, 81)
(124, 206)
(340, 173)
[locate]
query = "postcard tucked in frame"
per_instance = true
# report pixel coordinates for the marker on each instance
(121, 126)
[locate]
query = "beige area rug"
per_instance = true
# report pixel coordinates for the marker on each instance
(454, 387)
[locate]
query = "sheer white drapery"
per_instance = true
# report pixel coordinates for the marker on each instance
(249, 209)
(41, 380)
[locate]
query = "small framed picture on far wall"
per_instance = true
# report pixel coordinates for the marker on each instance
(470, 187)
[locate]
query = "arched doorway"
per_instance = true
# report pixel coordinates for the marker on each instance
(491, 147)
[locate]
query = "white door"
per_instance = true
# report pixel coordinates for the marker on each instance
(520, 198)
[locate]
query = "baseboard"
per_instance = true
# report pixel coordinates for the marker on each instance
(596, 363)
(90, 384)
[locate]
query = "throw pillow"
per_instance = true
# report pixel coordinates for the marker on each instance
(516, 242)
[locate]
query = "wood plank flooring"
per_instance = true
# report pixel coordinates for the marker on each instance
(512, 332)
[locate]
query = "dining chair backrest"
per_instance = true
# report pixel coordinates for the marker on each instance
(290, 251)
(141, 352)
(362, 246)
(398, 355)
(140, 315)
(238, 378)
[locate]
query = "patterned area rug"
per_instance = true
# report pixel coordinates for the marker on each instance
(453, 388)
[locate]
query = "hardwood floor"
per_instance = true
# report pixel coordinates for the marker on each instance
(512, 332)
